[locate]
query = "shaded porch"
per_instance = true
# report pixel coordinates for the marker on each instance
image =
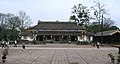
(57, 39)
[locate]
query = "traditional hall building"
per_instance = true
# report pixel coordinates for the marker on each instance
(107, 37)
(57, 32)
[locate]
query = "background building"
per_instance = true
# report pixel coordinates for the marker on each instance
(56, 32)
(107, 37)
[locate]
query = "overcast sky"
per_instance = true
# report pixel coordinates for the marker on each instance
(53, 10)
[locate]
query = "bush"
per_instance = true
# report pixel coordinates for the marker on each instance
(118, 58)
(82, 43)
(111, 56)
(34, 41)
(49, 42)
(39, 42)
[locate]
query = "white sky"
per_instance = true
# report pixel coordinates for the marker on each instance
(55, 9)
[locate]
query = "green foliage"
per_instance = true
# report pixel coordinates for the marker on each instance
(10, 24)
(111, 56)
(118, 58)
(4, 33)
(80, 14)
(8, 34)
(34, 41)
(38, 42)
(14, 35)
(73, 17)
(93, 28)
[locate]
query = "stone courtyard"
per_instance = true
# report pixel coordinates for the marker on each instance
(59, 54)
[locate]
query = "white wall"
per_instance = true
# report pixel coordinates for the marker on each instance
(26, 38)
(85, 38)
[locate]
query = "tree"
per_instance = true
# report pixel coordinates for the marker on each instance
(99, 11)
(92, 28)
(14, 34)
(102, 22)
(80, 14)
(13, 21)
(108, 22)
(24, 20)
(10, 24)
(4, 34)
(3, 21)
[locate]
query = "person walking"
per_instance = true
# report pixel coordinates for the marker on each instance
(4, 55)
(98, 45)
(15, 44)
(23, 46)
(3, 43)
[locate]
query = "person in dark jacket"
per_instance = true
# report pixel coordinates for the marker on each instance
(23, 46)
(98, 45)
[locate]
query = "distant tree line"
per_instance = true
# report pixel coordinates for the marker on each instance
(98, 14)
(11, 25)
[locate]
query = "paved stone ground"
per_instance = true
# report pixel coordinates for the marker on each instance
(59, 54)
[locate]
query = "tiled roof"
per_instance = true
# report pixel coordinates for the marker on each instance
(57, 26)
(107, 33)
